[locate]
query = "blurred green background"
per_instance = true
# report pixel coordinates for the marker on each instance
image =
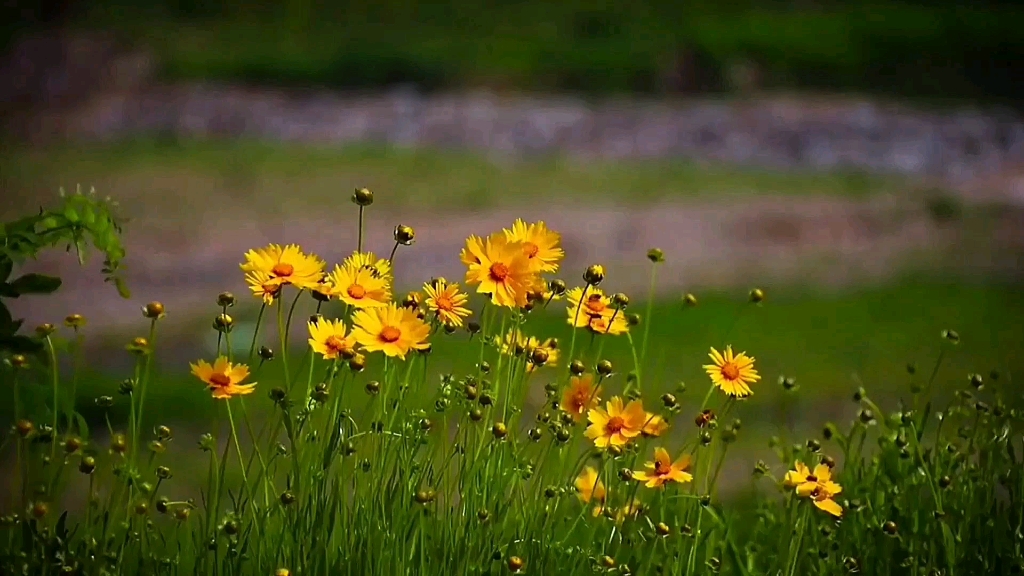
(831, 339)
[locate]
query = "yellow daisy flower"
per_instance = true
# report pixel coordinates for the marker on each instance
(614, 324)
(654, 425)
(473, 253)
(539, 244)
(287, 265)
(359, 287)
(817, 485)
(732, 373)
(503, 272)
(580, 396)
(328, 338)
(663, 470)
(390, 329)
(223, 378)
(589, 486)
(263, 286)
(446, 302)
(595, 312)
(617, 425)
(380, 267)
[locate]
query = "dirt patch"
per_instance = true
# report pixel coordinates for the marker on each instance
(814, 242)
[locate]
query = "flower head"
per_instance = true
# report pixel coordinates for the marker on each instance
(663, 470)
(504, 272)
(447, 302)
(732, 373)
(390, 329)
(328, 338)
(361, 287)
(617, 425)
(379, 267)
(816, 485)
(580, 396)
(263, 286)
(223, 378)
(654, 425)
(594, 310)
(285, 265)
(589, 486)
(539, 244)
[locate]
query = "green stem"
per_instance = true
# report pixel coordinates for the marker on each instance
(56, 384)
(359, 246)
(256, 332)
(647, 316)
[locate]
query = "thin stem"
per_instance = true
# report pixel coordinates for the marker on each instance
(256, 332)
(56, 384)
(391, 259)
(359, 246)
(647, 316)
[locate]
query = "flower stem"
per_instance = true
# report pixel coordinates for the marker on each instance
(647, 317)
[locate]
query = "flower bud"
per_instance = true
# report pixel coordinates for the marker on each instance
(74, 321)
(472, 327)
(40, 509)
(689, 300)
(225, 299)
(163, 472)
(266, 353)
(287, 498)
(139, 346)
(362, 197)
(72, 444)
(976, 381)
(952, 336)
(425, 496)
(604, 368)
(357, 363)
(594, 275)
(44, 330)
(19, 361)
(223, 323)
(87, 465)
(757, 295)
(576, 367)
(620, 300)
(669, 400)
(153, 310)
(476, 415)
(557, 287)
(889, 527)
(119, 444)
(404, 235)
(162, 433)
(539, 356)
(515, 563)
(656, 255)
(499, 430)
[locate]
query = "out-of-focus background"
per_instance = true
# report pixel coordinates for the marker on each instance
(861, 161)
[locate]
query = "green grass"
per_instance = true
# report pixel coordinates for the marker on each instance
(156, 176)
(593, 47)
(831, 344)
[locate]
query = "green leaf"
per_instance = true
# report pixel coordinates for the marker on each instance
(7, 324)
(36, 284)
(122, 288)
(83, 426)
(20, 345)
(6, 266)
(7, 291)
(950, 545)
(71, 214)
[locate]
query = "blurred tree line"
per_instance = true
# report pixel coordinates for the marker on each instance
(937, 50)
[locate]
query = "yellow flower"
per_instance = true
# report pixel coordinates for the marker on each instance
(359, 287)
(287, 265)
(515, 342)
(380, 267)
(263, 286)
(589, 486)
(473, 253)
(580, 396)
(595, 312)
(654, 425)
(328, 337)
(617, 425)
(223, 378)
(504, 272)
(446, 302)
(325, 289)
(732, 373)
(539, 244)
(818, 486)
(390, 329)
(663, 470)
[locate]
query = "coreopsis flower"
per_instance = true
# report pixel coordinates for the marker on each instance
(446, 301)
(285, 265)
(380, 267)
(589, 486)
(324, 290)
(732, 373)
(595, 312)
(663, 470)
(617, 425)
(654, 425)
(263, 286)
(473, 251)
(223, 378)
(817, 485)
(580, 396)
(540, 245)
(504, 272)
(330, 338)
(516, 343)
(390, 329)
(359, 286)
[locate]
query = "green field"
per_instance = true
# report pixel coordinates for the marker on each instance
(926, 51)
(150, 176)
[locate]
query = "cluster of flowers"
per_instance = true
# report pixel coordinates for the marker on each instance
(508, 267)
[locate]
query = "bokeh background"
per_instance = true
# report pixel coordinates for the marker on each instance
(863, 162)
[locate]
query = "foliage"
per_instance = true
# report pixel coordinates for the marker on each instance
(425, 473)
(80, 219)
